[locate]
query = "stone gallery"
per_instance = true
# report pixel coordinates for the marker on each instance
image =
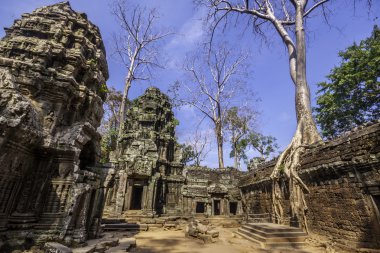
(53, 188)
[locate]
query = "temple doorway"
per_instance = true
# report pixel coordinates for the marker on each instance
(136, 200)
(87, 156)
(233, 208)
(216, 207)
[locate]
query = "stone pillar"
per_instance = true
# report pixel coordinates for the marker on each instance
(120, 194)
(128, 194)
(80, 233)
(152, 188)
(144, 198)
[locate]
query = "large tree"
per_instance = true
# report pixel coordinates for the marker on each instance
(196, 148)
(137, 45)
(287, 18)
(213, 82)
(110, 122)
(265, 145)
(351, 96)
(237, 124)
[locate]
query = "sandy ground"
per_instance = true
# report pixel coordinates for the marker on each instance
(175, 242)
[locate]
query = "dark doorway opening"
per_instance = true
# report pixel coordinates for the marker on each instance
(376, 201)
(136, 200)
(216, 207)
(87, 156)
(200, 208)
(233, 208)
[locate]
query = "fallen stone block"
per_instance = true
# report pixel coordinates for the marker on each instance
(54, 247)
(213, 233)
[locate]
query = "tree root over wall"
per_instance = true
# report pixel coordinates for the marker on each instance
(287, 165)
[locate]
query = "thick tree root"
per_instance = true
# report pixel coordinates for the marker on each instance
(287, 165)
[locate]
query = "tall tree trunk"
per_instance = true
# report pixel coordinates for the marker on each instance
(128, 83)
(219, 140)
(236, 157)
(123, 107)
(303, 106)
(306, 132)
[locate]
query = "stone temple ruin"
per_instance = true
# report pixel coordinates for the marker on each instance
(149, 174)
(52, 72)
(52, 87)
(151, 181)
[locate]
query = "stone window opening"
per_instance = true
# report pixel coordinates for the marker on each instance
(233, 208)
(200, 207)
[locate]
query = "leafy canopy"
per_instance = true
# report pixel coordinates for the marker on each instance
(265, 145)
(351, 96)
(188, 154)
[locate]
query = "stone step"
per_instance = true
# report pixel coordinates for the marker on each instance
(273, 236)
(291, 233)
(259, 220)
(266, 239)
(113, 221)
(249, 238)
(273, 245)
(125, 227)
(273, 228)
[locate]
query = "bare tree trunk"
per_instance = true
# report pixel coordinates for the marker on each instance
(219, 140)
(303, 105)
(236, 157)
(306, 132)
(123, 107)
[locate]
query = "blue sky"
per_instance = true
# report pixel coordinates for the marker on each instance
(268, 75)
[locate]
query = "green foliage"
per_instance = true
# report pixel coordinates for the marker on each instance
(103, 88)
(265, 145)
(108, 144)
(188, 154)
(241, 147)
(175, 122)
(352, 94)
(281, 168)
(236, 123)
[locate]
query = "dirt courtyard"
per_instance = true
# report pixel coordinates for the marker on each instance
(161, 241)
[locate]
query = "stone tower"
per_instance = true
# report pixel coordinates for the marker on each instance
(149, 170)
(52, 85)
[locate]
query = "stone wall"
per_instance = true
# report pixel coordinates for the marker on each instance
(214, 189)
(343, 176)
(52, 80)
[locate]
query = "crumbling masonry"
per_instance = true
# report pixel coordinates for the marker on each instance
(52, 75)
(52, 86)
(150, 181)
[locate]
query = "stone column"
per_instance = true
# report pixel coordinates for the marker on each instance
(120, 194)
(144, 198)
(80, 233)
(152, 188)
(127, 195)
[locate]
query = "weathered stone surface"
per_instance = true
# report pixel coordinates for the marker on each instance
(54, 247)
(343, 176)
(212, 191)
(149, 174)
(197, 230)
(52, 80)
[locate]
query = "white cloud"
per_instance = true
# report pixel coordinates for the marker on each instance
(187, 38)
